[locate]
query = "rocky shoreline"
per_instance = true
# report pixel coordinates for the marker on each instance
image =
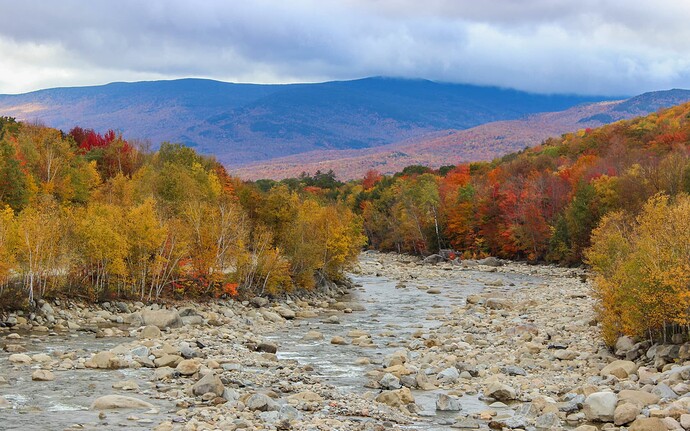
(532, 353)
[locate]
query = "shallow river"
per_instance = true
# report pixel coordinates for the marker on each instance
(391, 316)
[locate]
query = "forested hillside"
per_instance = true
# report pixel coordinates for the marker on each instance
(91, 216)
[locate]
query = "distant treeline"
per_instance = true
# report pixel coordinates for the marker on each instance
(629, 178)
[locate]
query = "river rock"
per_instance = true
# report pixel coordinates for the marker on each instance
(548, 421)
(42, 376)
(313, 336)
(648, 424)
(625, 413)
(209, 383)
(490, 261)
(150, 332)
(305, 397)
(104, 360)
(167, 360)
(497, 303)
(126, 385)
(447, 403)
(389, 381)
(397, 398)
(500, 392)
(448, 375)
(565, 354)
(267, 347)
(338, 340)
(258, 301)
(624, 344)
(285, 313)
(14, 348)
(639, 398)
(119, 402)
(187, 367)
(261, 402)
(162, 318)
(600, 406)
(20, 358)
(586, 428)
(620, 369)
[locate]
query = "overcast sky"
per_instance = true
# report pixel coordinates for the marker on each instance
(612, 47)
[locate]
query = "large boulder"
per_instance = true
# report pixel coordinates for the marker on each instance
(600, 406)
(162, 318)
(209, 383)
(620, 369)
(119, 402)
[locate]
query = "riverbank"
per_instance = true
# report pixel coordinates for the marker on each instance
(503, 346)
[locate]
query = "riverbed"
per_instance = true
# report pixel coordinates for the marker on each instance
(510, 345)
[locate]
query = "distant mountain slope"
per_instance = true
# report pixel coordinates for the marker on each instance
(483, 142)
(242, 123)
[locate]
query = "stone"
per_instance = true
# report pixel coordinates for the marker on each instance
(648, 424)
(209, 383)
(497, 303)
(548, 421)
(565, 355)
(621, 369)
(624, 344)
(258, 301)
(42, 376)
(397, 398)
(447, 403)
(313, 336)
(126, 385)
(490, 261)
(625, 413)
(434, 291)
(338, 340)
(261, 402)
(187, 367)
(306, 397)
(168, 360)
(448, 375)
(20, 358)
(685, 421)
(389, 381)
(267, 347)
(285, 313)
(639, 398)
(119, 402)
(600, 406)
(500, 392)
(586, 428)
(162, 318)
(150, 332)
(104, 360)
(424, 382)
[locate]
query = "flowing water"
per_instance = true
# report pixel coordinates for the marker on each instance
(64, 402)
(391, 316)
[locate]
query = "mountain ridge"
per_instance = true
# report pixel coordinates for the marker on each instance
(243, 123)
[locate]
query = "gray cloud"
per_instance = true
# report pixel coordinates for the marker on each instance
(587, 46)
